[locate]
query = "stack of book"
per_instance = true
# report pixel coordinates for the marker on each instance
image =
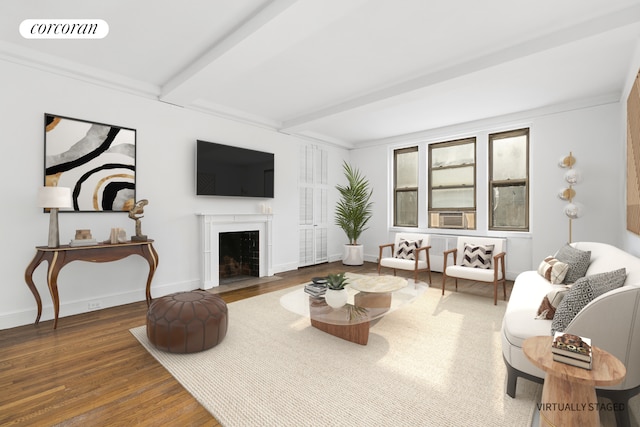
(316, 290)
(572, 350)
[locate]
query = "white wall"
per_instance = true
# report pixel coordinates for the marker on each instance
(166, 138)
(165, 157)
(593, 134)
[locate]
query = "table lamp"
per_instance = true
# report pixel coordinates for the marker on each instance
(54, 198)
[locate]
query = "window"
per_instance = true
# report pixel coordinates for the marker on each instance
(452, 184)
(405, 187)
(509, 180)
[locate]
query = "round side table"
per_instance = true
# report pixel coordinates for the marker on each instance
(569, 393)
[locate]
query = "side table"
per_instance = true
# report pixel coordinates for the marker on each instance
(61, 256)
(569, 394)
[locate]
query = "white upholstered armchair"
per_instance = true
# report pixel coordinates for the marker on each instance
(409, 251)
(479, 259)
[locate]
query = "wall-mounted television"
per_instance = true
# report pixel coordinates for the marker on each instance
(224, 170)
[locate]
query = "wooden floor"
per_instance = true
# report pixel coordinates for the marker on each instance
(92, 371)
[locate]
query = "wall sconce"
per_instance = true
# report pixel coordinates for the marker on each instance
(54, 198)
(572, 177)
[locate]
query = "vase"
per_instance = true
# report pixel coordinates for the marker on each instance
(353, 255)
(336, 298)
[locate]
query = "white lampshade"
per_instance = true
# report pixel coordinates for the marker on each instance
(54, 197)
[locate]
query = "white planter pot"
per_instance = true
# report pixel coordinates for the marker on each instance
(336, 298)
(353, 255)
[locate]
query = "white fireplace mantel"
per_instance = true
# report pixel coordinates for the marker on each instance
(211, 225)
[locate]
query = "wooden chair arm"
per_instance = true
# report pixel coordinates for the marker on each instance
(498, 262)
(426, 251)
(391, 245)
(423, 248)
(453, 251)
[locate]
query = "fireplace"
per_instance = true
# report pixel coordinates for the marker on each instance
(215, 225)
(239, 256)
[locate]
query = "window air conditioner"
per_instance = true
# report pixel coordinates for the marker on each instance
(451, 220)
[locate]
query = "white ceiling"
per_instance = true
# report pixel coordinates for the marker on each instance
(350, 72)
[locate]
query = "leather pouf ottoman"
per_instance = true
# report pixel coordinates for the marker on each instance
(187, 322)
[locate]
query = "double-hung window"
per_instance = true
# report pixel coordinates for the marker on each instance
(452, 184)
(405, 192)
(509, 180)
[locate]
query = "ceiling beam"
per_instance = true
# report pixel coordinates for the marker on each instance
(174, 90)
(594, 27)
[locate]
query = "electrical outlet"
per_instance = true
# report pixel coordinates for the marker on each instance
(95, 305)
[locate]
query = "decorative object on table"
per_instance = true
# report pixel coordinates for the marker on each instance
(572, 209)
(98, 161)
(336, 295)
(83, 238)
(136, 213)
(572, 349)
(54, 198)
(118, 235)
(353, 212)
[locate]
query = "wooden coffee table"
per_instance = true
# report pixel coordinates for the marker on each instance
(370, 298)
(569, 394)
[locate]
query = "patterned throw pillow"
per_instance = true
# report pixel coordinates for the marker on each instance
(407, 249)
(477, 256)
(553, 270)
(550, 303)
(582, 293)
(578, 262)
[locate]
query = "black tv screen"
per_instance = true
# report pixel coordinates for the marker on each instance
(223, 170)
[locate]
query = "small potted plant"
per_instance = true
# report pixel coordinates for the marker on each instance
(353, 212)
(336, 295)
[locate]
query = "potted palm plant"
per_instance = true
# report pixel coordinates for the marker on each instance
(336, 295)
(353, 212)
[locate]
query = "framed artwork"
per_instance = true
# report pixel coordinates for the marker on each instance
(97, 161)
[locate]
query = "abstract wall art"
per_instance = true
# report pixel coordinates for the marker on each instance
(97, 161)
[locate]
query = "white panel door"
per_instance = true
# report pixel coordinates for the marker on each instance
(313, 189)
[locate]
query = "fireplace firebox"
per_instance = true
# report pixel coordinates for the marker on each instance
(239, 255)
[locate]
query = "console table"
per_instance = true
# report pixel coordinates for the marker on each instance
(61, 256)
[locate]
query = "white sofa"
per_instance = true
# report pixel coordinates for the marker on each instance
(612, 321)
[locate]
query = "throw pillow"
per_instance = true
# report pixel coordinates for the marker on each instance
(477, 256)
(550, 303)
(407, 249)
(582, 292)
(578, 262)
(553, 270)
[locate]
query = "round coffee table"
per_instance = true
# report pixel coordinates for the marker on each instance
(569, 394)
(369, 298)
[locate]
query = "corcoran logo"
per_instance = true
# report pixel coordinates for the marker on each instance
(64, 29)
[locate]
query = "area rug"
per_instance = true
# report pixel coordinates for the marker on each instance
(436, 362)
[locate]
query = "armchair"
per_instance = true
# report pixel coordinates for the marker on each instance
(410, 251)
(477, 262)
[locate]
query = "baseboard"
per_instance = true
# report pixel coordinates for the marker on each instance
(70, 308)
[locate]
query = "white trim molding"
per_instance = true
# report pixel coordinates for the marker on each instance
(211, 225)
